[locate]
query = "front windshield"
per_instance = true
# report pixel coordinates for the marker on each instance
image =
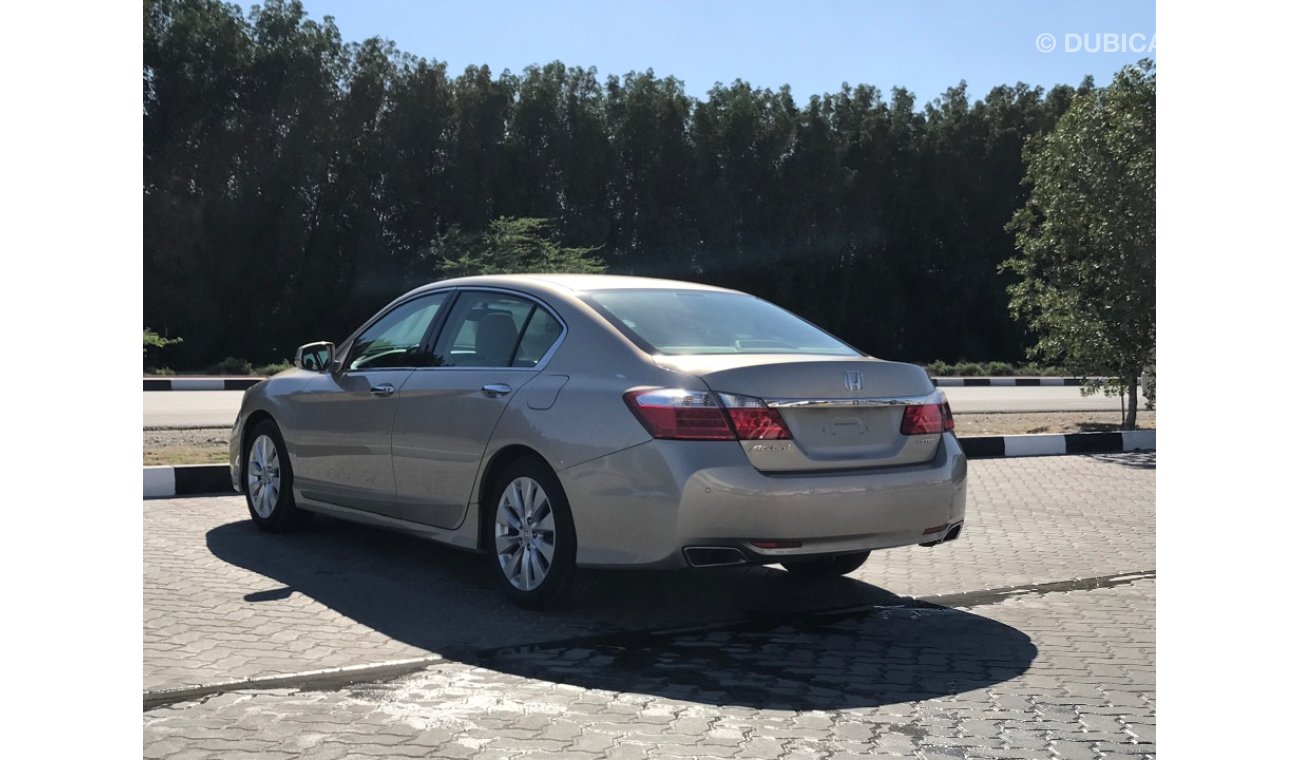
(676, 322)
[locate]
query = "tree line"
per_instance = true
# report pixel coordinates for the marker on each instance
(295, 182)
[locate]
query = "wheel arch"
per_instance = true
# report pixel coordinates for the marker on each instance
(254, 419)
(500, 460)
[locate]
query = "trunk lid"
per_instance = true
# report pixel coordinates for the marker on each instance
(843, 413)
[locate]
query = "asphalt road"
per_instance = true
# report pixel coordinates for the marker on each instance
(218, 408)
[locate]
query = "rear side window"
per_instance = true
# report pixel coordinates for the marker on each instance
(495, 330)
(542, 332)
(676, 322)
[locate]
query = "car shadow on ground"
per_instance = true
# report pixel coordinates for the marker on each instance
(785, 643)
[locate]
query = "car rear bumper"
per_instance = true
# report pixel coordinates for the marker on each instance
(644, 505)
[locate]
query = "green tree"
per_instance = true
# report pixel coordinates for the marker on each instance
(651, 191)
(1087, 235)
(154, 340)
(293, 181)
(508, 246)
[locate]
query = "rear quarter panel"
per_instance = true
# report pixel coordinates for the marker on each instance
(587, 417)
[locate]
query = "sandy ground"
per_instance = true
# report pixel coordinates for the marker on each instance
(195, 446)
(208, 445)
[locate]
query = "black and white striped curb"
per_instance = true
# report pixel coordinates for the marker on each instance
(187, 480)
(201, 383)
(193, 479)
(949, 382)
(243, 383)
(1048, 444)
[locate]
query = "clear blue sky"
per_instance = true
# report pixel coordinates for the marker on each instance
(923, 45)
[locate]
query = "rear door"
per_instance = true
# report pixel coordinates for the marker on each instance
(491, 345)
(344, 419)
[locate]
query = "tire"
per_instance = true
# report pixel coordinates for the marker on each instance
(527, 518)
(826, 567)
(268, 481)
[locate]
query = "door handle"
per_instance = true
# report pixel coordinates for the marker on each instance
(495, 390)
(383, 391)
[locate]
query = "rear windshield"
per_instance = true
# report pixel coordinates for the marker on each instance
(679, 322)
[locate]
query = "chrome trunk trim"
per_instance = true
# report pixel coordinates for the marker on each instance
(786, 403)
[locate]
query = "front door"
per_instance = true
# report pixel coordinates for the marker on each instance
(344, 420)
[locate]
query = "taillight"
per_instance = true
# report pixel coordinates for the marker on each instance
(949, 424)
(927, 419)
(752, 419)
(681, 415)
(677, 414)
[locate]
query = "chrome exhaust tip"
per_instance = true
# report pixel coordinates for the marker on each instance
(714, 556)
(951, 535)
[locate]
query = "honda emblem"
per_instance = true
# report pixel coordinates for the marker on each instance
(853, 381)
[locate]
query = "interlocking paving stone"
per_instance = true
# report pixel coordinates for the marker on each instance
(1057, 674)
(443, 710)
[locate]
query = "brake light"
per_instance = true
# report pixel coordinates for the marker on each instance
(927, 419)
(677, 414)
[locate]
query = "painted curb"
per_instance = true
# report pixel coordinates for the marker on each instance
(1056, 444)
(164, 482)
(201, 383)
(977, 382)
(243, 383)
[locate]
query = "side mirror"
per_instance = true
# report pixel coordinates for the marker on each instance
(315, 357)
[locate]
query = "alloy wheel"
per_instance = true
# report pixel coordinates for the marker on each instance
(525, 534)
(264, 475)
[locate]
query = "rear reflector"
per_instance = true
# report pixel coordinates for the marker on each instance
(927, 419)
(776, 544)
(935, 529)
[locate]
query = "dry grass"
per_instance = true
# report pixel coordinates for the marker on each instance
(198, 446)
(1020, 423)
(186, 455)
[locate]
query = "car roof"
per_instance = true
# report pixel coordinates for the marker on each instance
(575, 283)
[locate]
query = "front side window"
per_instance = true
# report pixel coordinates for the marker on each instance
(397, 340)
(712, 322)
(495, 330)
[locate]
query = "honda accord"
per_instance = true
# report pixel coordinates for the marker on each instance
(554, 422)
